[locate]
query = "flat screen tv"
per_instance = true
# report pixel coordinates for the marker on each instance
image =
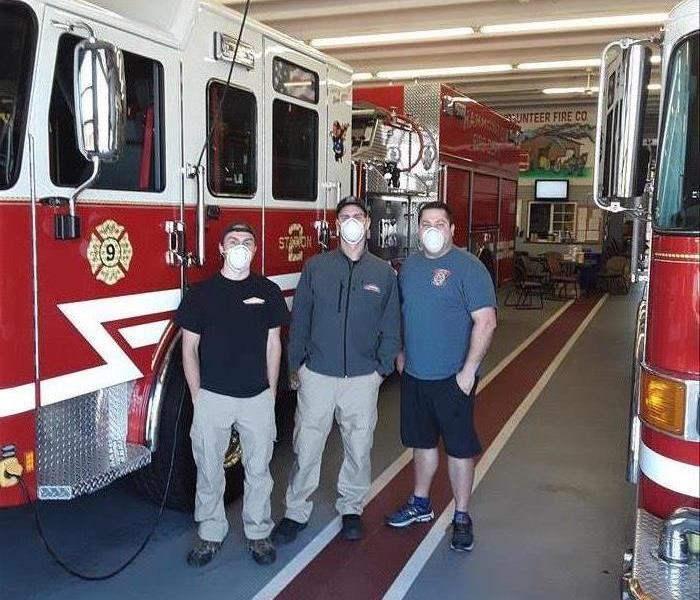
(552, 189)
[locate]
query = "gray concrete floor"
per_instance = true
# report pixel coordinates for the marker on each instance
(551, 515)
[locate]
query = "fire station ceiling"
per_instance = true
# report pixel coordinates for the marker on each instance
(501, 52)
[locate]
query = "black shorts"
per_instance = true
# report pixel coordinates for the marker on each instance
(433, 409)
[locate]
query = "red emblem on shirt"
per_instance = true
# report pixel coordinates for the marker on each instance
(440, 277)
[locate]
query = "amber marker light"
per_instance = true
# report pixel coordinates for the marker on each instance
(662, 403)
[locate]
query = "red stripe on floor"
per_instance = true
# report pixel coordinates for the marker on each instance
(366, 569)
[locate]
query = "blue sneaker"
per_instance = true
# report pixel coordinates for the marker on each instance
(410, 513)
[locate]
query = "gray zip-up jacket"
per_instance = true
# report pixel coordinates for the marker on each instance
(346, 317)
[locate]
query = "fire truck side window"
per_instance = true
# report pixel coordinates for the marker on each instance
(295, 81)
(294, 152)
(232, 151)
(677, 204)
(141, 166)
(17, 42)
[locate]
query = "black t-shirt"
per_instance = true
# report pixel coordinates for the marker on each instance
(233, 319)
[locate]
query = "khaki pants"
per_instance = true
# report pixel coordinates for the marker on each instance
(254, 419)
(353, 401)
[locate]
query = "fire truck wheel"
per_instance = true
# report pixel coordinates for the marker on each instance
(152, 479)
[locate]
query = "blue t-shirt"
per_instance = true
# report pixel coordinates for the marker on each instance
(437, 299)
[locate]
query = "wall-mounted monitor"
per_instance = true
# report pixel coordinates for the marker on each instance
(552, 189)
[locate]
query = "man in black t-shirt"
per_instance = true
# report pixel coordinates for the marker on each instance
(231, 353)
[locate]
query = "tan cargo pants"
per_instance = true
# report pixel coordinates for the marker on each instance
(254, 419)
(353, 401)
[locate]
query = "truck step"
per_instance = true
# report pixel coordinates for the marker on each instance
(71, 479)
(82, 443)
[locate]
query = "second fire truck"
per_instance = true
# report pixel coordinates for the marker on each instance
(664, 449)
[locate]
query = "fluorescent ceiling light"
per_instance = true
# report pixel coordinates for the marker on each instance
(398, 37)
(591, 90)
(362, 76)
(570, 90)
(559, 64)
(443, 71)
(569, 64)
(569, 24)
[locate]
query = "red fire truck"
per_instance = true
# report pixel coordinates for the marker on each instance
(664, 451)
(426, 141)
(111, 203)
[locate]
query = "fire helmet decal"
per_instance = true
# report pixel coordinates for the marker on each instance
(109, 252)
(338, 132)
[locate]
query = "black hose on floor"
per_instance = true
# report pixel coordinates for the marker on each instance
(85, 577)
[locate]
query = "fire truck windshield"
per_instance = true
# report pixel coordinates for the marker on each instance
(17, 42)
(677, 206)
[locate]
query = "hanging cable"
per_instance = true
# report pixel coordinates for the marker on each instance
(219, 110)
(85, 577)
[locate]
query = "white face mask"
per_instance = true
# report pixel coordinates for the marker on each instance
(238, 257)
(352, 231)
(433, 240)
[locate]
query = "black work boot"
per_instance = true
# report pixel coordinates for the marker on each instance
(286, 531)
(352, 527)
(202, 553)
(462, 533)
(263, 551)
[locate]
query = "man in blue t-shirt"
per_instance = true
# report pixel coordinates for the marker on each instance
(448, 307)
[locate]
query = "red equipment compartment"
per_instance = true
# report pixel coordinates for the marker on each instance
(458, 200)
(484, 202)
(506, 234)
(673, 329)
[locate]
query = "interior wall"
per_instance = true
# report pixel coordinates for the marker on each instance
(558, 142)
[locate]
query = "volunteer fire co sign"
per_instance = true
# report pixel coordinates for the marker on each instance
(109, 252)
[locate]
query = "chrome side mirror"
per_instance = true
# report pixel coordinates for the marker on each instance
(99, 93)
(618, 179)
(100, 99)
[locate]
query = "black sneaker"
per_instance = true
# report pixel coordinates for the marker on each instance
(263, 551)
(462, 534)
(352, 527)
(286, 531)
(202, 553)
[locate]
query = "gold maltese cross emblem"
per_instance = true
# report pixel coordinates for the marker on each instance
(109, 252)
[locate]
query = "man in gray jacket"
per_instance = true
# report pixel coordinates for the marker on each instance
(344, 337)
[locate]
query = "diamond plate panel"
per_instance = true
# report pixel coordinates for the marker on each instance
(81, 444)
(657, 578)
(422, 102)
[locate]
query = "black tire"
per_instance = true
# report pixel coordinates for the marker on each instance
(152, 479)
